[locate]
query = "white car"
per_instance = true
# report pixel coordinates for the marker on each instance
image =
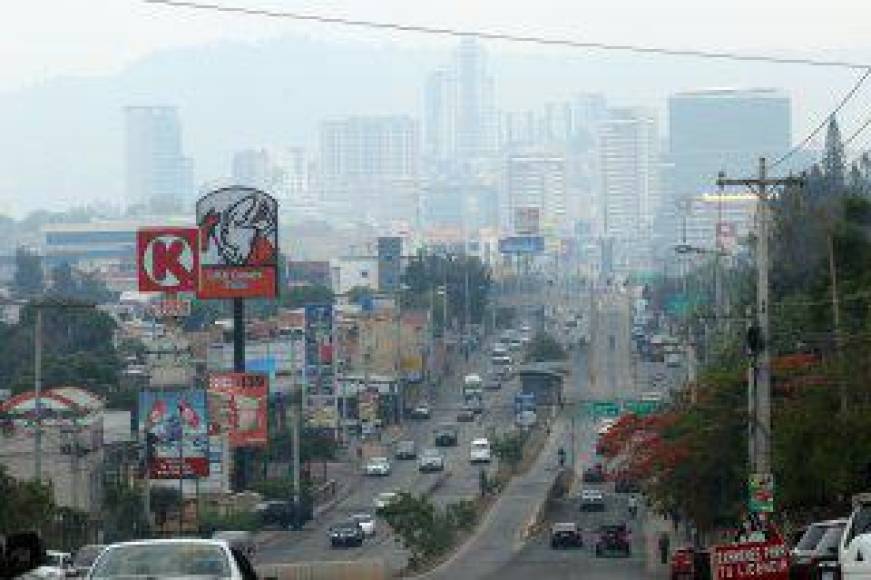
(854, 553)
(169, 559)
(605, 425)
(384, 499)
(480, 450)
(377, 466)
(366, 523)
(592, 500)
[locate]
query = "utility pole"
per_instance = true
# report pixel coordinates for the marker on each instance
(760, 368)
(37, 388)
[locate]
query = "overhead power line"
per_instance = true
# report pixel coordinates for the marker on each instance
(801, 145)
(509, 37)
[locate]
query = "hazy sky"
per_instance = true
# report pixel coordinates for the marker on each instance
(41, 39)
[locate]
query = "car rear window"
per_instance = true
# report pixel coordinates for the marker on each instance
(163, 560)
(811, 538)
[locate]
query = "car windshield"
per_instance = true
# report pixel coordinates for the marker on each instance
(86, 555)
(163, 560)
(828, 543)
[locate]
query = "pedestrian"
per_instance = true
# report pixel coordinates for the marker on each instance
(664, 545)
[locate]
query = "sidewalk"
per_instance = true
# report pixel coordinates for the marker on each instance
(654, 526)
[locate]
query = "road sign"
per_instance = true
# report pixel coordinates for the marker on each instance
(761, 488)
(640, 408)
(603, 409)
(768, 560)
(167, 259)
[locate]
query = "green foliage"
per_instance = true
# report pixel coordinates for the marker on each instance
(544, 348)
(509, 447)
(123, 514)
(429, 273)
(425, 531)
(25, 505)
(69, 284)
(212, 521)
(164, 500)
(28, 279)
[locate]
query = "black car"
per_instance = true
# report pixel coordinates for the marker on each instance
(594, 474)
(346, 534)
(566, 535)
(613, 541)
(446, 436)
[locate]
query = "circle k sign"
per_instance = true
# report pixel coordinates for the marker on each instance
(167, 259)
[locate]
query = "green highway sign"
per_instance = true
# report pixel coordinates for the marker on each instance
(603, 409)
(640, 408)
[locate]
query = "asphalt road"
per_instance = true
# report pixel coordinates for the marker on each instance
(460, 479)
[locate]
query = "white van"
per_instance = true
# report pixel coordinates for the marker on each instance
(480, 450)
(854, 553)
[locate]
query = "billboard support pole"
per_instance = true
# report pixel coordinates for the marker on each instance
(239, 335)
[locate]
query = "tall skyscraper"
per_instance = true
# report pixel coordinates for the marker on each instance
(460, 119)
(537, 180)
(724, 129)
(371, 164)
(254, 168)
(629, 152)
(159, 177)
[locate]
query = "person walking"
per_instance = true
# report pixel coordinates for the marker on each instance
(664, 547)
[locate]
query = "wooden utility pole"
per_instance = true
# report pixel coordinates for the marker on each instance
(760, 366)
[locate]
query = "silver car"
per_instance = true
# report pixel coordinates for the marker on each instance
(170, 559)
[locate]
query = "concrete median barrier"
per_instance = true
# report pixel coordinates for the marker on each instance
(562, 484)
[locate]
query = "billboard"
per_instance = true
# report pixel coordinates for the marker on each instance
(238, 235)
(768, 560)
(522, 245)
(167, 259)
(314, 273)
(527, 220)
(319, 376)
(367, 405)
(177, 422)
(322, 411)
(237, 407)
(389, 263)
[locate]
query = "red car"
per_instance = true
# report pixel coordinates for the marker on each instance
(681, 566)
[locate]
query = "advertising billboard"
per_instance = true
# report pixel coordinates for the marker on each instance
(238, 237)
(167, 259)
(526, 221)
(522, 245)
(322, 412)
(177, 423)
(237, 407)
(367, 405)
(319, 376)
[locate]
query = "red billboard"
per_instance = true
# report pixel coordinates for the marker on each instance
(238, 234)
(757, 560)
(167, 259)
(237, 406)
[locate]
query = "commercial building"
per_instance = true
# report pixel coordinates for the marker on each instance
(159, 177)
(460, 119)
(537, 180)
(630, 197)
(371, 166)
(719, 221)
(724, 130)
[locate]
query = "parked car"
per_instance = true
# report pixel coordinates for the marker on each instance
(84, 558)
(385, 499)
(377, 466)
(594, 474)
(57, 565)
(346, 534)
(366, 523)
(566, 535)
(172, 558)
(613, 541)
(421, 411)
(479, 450)
(431, 460)
(406, 449)
(818, 544)
(592, 500)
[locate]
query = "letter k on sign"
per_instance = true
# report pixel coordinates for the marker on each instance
(167, 259)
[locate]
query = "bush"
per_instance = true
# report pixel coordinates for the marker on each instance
(211, 521)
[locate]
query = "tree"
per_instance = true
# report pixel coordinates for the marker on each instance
(28, 279)
(163, 501)
(123, 514)
(544, 348)
(26, 505)
(834, 159)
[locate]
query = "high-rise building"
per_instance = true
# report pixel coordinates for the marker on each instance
(159, 177)
(629, 152)
(537, 180)
(724, 130)
(254, 168)
(460, 119)
(371, 164)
